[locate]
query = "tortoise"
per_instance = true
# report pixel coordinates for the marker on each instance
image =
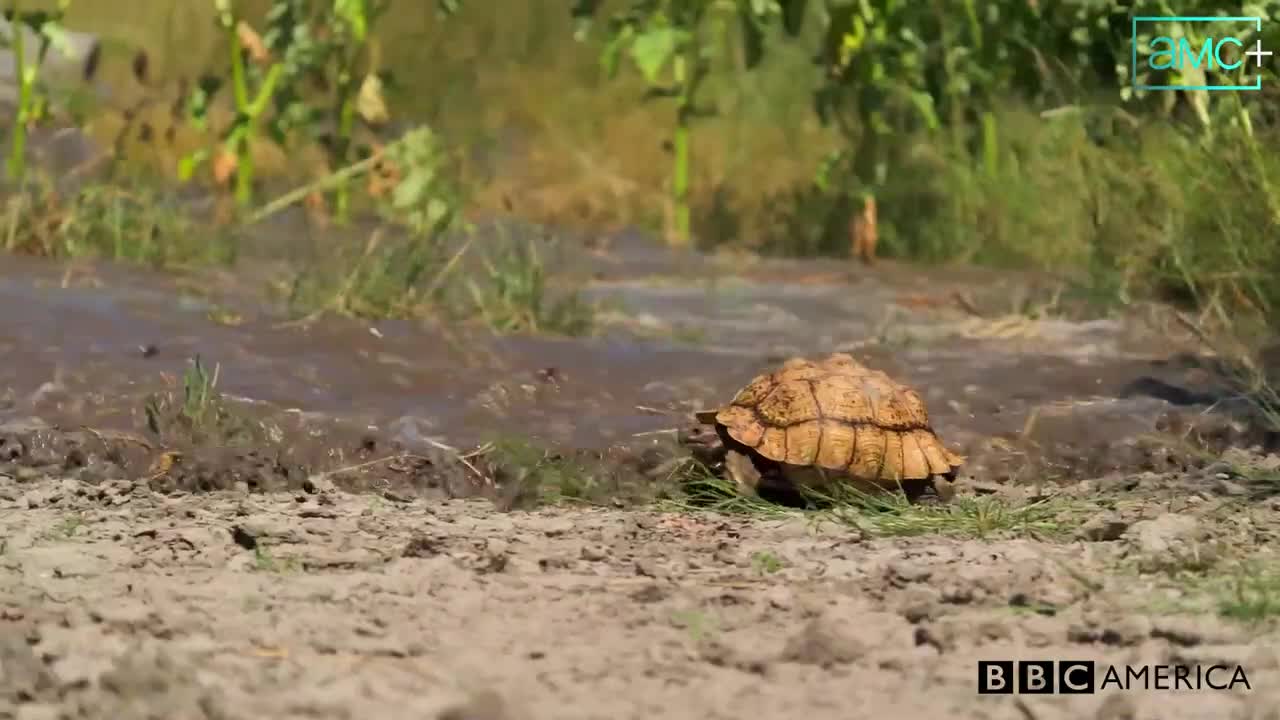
(811, 422)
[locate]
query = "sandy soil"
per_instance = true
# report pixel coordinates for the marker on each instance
(120, 602)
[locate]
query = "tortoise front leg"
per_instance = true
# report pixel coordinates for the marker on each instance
(934, 490)
(743, 473)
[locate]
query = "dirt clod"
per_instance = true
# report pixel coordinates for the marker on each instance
(825, 641)
(483, 705)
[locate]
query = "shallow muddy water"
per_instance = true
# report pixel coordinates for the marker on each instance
(684, 333)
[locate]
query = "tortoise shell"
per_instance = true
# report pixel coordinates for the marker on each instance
(837, 415)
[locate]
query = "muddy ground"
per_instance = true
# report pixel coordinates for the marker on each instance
(329, 546)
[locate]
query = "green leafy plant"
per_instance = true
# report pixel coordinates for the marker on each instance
(253, 85)
(311, 75)
(511, 294)
(426, 196)
(199, 392)
(674, 45)
(44, 26)
(387, 278)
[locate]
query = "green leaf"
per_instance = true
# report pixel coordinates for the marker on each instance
(201, 98)
(58, 37)
(923, 103)
(437, 210)
(613, 51)
(354, 14)
(226, 13)
(652, 49)
(188, 165)
(410, 191)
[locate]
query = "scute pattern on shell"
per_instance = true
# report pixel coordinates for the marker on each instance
(838, 415)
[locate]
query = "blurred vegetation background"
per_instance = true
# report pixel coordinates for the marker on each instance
(1003, 132)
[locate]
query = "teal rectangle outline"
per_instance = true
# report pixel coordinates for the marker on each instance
(1133, 44)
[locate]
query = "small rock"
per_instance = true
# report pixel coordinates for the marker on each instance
(824, 641)
(927, 636)
(1218, 468)
(270, 528)
(323, 559)
(648, 568)
(781, 597)
(1224, 486)
(917, 612)
(957, 594)
(1103, 528)
(1126, 631)
(720, 654)
(919, 604)
(1192, 631)
(496, 556)
(993, 630)
(594, 554)
(1164, 533)
(397, 497)
(421, 546)
(483, 705)
(724, 557)
(907, 572)
(558, 527)
(649, 594)
(1130, 630)
(243, 537)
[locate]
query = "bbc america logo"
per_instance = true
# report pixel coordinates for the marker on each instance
(1080, 677)
(997, 677)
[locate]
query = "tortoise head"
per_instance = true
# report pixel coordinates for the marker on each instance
(706, 417)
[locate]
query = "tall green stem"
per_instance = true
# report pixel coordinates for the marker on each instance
(240, 138)
(1255, 156)
(346, 125)
(680, 175)
(248, 113)
(17, 165)
(990, 143)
